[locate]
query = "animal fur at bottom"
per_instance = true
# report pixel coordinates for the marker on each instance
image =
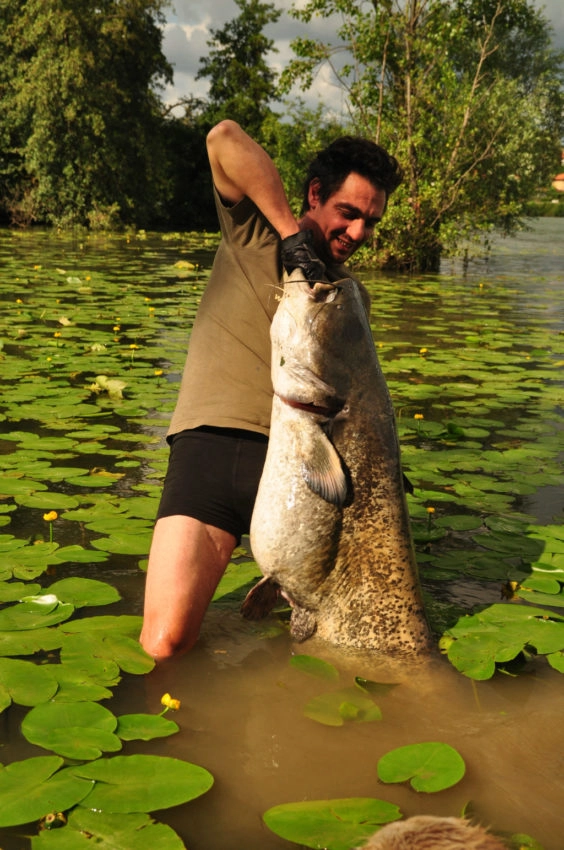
(425, 832)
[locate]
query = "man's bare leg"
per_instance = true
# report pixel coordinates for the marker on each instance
(186, 562)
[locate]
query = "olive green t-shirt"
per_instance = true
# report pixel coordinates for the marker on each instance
(226, 381)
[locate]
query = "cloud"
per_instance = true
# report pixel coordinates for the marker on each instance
(188, 29)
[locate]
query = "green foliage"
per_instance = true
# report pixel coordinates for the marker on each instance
(429, 766)
(293, 144)
(242, 84)
(330, 824)
(143, 783)
(314, 666)
(29, 789)
(436, 84)
(499, 634)
(108, 832)
(81, 115)
(344, 705)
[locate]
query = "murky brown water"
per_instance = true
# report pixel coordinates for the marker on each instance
(242, 718)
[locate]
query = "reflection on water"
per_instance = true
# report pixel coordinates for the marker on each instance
(242, 704)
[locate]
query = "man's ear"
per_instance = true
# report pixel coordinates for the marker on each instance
(313, 193)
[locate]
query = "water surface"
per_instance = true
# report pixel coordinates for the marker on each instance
(242, 704)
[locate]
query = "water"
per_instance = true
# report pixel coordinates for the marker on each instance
(242, 704)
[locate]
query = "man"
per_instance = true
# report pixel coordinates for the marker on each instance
(219, 430)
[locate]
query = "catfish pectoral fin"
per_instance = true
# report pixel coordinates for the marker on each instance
(261, 599)
(323, 472)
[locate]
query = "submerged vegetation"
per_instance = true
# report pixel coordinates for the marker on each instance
(92, 342)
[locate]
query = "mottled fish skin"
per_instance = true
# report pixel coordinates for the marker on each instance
(330, 524)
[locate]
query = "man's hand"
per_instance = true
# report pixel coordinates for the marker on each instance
(297, 252)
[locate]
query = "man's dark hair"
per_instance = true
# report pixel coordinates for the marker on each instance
(350, 154)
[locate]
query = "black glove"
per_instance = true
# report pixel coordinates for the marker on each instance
(297, 252)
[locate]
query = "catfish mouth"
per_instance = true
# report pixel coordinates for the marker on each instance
(328, 411)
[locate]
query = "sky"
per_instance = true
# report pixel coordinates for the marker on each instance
(187, 30)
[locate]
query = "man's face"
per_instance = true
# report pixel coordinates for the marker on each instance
(346, 220)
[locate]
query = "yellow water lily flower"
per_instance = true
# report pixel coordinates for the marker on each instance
(418, 416)
(51, 516)
(169, 702)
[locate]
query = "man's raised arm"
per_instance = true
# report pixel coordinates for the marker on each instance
(242, 167)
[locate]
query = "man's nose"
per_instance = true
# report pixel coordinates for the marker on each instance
(357, 230)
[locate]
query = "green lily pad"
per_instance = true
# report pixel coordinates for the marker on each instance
(77, 730)
(125, 544)
(36, 613)
(235, 578)
(83, 592)
(376, 688)
(16, 486)
(77, 684)
(331, 824)
(47, 500)
(12, 591)
(128, 624)
(556, 660)
(87, 649)
(143, 783)
(499, 633)
(429, 766)
(144, 727)
(333, 709)
(314, 666)
(79, 555)
(31, 788)
(29, 642)
(108, 832)
(25, 682)
(459, 522)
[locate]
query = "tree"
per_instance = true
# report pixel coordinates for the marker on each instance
(241, 82)
(437, 83)
(82, 122)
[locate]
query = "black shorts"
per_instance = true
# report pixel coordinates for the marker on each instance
(213, 475)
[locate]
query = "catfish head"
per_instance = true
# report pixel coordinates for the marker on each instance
(314, 334)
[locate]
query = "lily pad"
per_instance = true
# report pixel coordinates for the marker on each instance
(144, 727)
(31, 788)
(12, 591)
(38, 612)
(84, 592)
(77, 730)
(29, 642)
(125, 544)
(143, 783)
(429, 766)
(331, 824)
(236, 577)
(25, 682)
(314, 666)
(498, 634)
(336, 707)
(108, 832)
